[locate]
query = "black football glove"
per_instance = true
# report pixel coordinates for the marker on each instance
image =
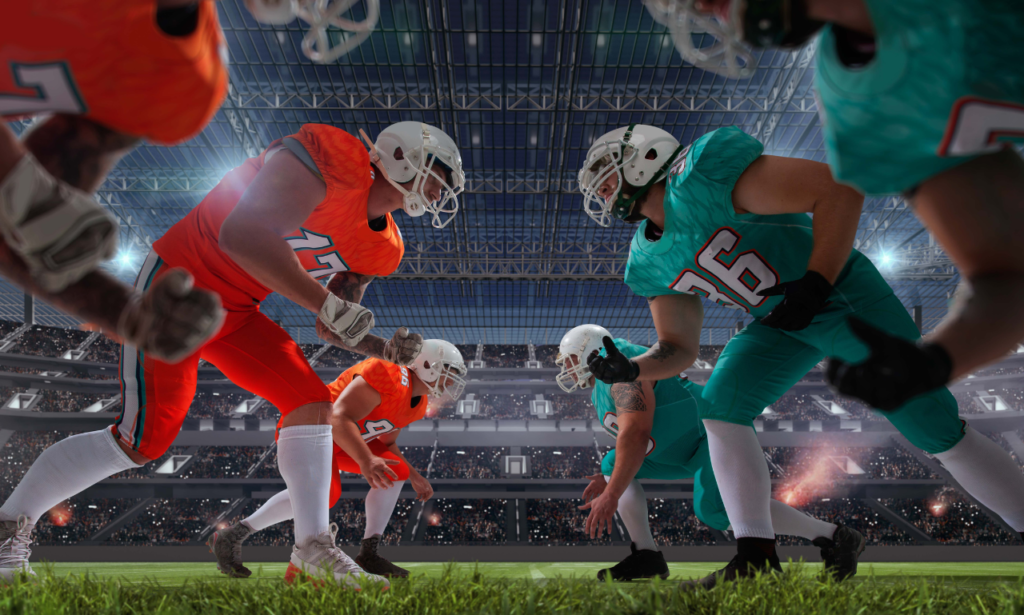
(802, 300)
(895, 371)
(615, 367)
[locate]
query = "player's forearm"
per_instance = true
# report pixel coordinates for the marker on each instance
(664, 360)
(268, 258)
(836, 216)
(346, 435)
(371, 345)
(986, 325)
(630, 449)
(96, 298)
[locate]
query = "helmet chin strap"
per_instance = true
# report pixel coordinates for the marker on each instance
(411, 203)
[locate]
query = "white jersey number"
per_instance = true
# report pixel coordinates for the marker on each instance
(977, 126)
(747, 274)
(375, 429)
(314, 241)
(54, 86)
(611, 425)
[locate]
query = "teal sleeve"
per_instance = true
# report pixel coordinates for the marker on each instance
(642, 277)
(725, 155)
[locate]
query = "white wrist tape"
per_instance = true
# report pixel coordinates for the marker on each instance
(61, 233)
(349, 321)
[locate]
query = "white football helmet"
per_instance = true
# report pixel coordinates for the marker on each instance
(579, 342)
(319, 14)
(729, 55)
(421, 146)
(638, 154)
(440, 366)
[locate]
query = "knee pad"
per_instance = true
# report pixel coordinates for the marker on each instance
(60, 232)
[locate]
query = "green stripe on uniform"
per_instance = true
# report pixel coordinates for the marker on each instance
(140, 371)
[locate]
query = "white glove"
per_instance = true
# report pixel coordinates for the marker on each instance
(349, 321)
(61, 233)
(403, 347)
(172, 320)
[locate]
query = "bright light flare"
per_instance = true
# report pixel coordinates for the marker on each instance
(814, 482)
(124, 259)
(937, 508)
(435, 519)
(886, 260)
(60, 515)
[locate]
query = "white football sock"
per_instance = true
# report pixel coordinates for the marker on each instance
(380, 503)
(791, 522)
(986, 471)
(63, 470)
(304, 459)
(633, 510)
(276, 510)
(742, 476)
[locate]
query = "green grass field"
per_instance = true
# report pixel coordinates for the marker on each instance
(528, 588)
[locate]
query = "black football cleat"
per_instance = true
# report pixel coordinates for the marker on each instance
(226, 546)
(639, 564)
(841, 552)
(738, 568)
(372, 562)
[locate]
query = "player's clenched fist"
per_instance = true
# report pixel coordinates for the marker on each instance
(349, 321)
(172, 319)
(403, 347)
(614, 366)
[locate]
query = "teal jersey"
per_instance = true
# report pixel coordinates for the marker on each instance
(946, 84)
(677, 430)
(709, 250)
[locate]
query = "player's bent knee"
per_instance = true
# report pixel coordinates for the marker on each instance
(135, 455)
(931, 422)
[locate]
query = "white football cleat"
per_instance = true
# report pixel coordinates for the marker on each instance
(15, 539)
(319, 556)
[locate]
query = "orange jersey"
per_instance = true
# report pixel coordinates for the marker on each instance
(394, 384)
(109, 61)
(336, 237)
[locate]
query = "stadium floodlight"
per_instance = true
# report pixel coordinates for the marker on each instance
(886, 260)
(124, 259)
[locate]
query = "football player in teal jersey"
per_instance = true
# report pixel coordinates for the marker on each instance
(658, 435)
(723, 223)
(917, 97)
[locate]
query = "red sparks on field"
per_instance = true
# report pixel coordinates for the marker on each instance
(810, 485)
(60, 515)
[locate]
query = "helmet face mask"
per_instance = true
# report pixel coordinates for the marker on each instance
(729, 55)
(638, 156)
(573, 352)
(408, 152)
(441, 368)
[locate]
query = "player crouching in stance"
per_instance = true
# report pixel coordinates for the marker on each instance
(312, 205)
(373, 401)
(658, 435)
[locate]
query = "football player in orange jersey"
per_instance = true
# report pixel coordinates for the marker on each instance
(312, 205)
(373, 401)
(113, 72)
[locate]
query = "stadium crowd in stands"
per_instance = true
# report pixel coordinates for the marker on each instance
(951, 519)
(561, 522)
(562, 462)
(168, 522)
(461, 522)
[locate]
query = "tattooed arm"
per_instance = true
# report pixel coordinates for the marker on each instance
(678, 320)
(634, 407)
(350, 286)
